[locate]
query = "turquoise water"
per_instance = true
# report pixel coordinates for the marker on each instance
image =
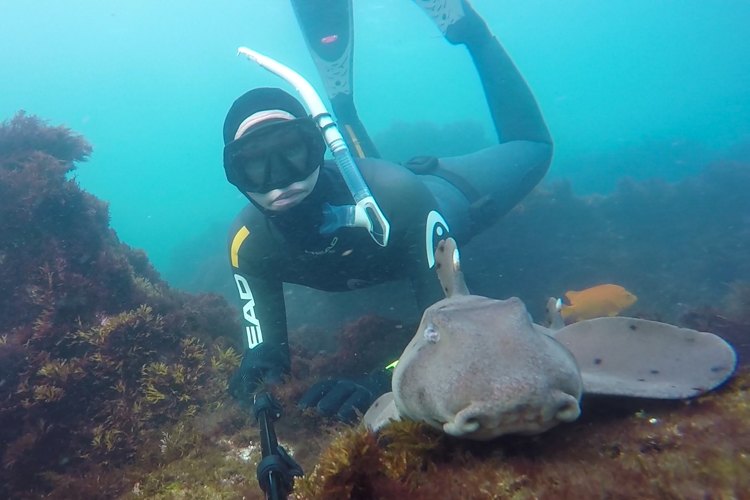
(628, 88)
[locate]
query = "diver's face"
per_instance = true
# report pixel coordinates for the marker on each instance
(281, 199)
(277, 166)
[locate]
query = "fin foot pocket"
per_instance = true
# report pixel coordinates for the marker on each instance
(456, 19)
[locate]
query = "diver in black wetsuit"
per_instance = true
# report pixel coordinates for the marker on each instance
(274, 155)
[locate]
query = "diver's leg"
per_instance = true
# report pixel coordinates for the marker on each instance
(502, 174)
(327, 28)
(513, 107)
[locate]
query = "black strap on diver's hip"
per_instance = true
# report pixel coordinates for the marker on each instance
(483, 209)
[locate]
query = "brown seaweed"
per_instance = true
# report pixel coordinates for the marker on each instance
(114, 384)
(97, 351)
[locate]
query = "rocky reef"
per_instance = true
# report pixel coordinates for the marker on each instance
(113, 384)
(97, 354)
(677, 246)
(618, 449)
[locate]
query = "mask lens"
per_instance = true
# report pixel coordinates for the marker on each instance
(275, 156)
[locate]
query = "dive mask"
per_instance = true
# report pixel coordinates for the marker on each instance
(274, 155)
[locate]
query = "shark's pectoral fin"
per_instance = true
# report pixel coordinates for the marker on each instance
(381, 412)
(641, 358)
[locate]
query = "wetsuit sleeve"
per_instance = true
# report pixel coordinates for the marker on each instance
(261, 301)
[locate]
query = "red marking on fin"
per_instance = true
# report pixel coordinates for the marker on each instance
(329, 39)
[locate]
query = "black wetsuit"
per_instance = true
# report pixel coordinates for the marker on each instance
(271, 248)
(462, 194)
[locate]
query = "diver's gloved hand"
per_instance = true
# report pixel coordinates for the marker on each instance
(266, 363)
(343, 398)
(456, 19)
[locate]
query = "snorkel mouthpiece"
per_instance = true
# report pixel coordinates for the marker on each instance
(365, 212)
(336, 216)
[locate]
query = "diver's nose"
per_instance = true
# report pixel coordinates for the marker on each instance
(275, 169)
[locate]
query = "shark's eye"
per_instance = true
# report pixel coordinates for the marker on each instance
(431, 334)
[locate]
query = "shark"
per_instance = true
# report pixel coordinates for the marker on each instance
(479, 368)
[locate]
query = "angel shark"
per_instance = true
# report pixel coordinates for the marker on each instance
(479, 368)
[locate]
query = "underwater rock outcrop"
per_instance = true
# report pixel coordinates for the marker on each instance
(677, 246)
(633, 449)
(112, 383)
(731, 319)
(96, 351)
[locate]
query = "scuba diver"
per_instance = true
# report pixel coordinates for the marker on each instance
(274, 154)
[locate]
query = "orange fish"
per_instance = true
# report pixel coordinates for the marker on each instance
(595, 302)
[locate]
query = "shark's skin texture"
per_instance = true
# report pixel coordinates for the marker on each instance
(484, 371)
(636, 357)
(479, 368)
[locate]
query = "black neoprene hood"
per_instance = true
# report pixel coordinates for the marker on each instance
(260, 99)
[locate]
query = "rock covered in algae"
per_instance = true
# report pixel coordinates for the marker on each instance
(97, 353)
(112, 384)
(624, 449)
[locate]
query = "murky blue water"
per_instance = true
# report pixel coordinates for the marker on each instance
(628, 88)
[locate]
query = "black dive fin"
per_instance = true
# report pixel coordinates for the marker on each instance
(327, 28)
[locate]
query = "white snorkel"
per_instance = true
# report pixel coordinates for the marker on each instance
(365, 212)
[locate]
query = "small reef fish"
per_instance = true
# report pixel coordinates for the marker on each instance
(596, 302)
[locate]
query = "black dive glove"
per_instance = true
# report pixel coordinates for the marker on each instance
(266, 363)
(342, 398)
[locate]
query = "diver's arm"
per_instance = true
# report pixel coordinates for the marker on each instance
(327, 28)
(264, 329)
(263, 312)
(266, 357)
